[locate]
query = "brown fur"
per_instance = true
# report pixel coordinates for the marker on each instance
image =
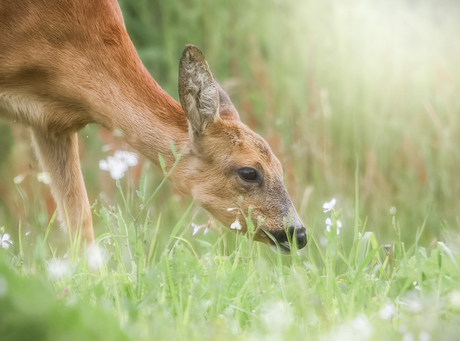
(67, 63)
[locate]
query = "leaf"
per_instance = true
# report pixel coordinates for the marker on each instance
(142, 186)
(449, 253)
(173, 149)
(162, 163)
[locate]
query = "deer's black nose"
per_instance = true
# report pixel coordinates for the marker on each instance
(301, 235)
(286, 237)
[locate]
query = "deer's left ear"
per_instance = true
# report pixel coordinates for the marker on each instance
(198, 92)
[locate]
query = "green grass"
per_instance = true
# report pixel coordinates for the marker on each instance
(155, 281)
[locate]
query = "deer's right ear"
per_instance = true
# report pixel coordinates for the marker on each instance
(198, 92)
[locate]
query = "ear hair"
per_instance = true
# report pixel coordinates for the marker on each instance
(227, 110)
(198, 93)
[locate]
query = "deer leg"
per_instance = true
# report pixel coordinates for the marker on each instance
(58, 155)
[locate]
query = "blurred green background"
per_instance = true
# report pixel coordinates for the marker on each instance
(341, 90)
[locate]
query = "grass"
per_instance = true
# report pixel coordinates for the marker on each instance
(155, 281)
(358, 99)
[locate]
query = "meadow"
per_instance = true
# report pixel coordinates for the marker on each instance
(358, 99)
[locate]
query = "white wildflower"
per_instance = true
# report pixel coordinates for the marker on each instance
(277, 316)
(127, 157)
(197, 228)
(44, 177)
(19, 178)
(454, 299)
(329, 205)
(362, 326)
(387, 312)
(96, 257)
(413, 303)
(58, 268)
(107, 147)
(358, 329)
(117, 132)
(424, 336)
(118, 164)
(236, 225)
(5, 241)
(116, 167)
(329, 224)
(408, 337)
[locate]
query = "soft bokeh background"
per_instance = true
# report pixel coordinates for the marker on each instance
(346, 93)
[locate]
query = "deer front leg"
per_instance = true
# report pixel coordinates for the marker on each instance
(58, 155)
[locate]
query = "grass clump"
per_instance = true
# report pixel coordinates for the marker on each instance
(152, 280)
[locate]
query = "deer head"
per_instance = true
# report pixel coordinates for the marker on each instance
(229, 168)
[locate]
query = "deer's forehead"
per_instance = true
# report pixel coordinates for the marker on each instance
(247, 147)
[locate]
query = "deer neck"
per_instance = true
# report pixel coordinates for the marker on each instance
(147, 118)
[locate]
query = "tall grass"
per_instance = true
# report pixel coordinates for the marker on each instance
(359, 101)
(150, 279)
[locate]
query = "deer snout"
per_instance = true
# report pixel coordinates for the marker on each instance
(286, 237)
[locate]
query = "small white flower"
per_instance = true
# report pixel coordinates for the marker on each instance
(18, 179)
(362, 326)
(96, 257)
(412, 303)
(196, 229)
(115, 166)
(107, 147)
(236, 225)
(58, 268)
(5, 241)
(408, 337)
(387, 312)
(329, 224)
(118, 164)
(127, 157)
(44, 177)
(329, 205)
(424, 336)
(454, 299)
(276, 316)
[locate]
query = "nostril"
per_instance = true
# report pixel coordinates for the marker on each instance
(301, 235)
(283, 237)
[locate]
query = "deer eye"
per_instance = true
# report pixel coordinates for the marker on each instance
(248, 174)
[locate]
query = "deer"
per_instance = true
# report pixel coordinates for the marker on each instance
(65, 64)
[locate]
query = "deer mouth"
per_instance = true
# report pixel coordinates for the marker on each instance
(268, 238)
(283, 239)
(283, 247)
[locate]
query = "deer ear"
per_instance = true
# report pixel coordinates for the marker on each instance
(198, 92)
(227, 110)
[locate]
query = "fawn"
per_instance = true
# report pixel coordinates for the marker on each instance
(67, 63)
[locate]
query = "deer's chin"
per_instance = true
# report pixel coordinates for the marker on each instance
(259, 236)
(283, 249)
(262, 237)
